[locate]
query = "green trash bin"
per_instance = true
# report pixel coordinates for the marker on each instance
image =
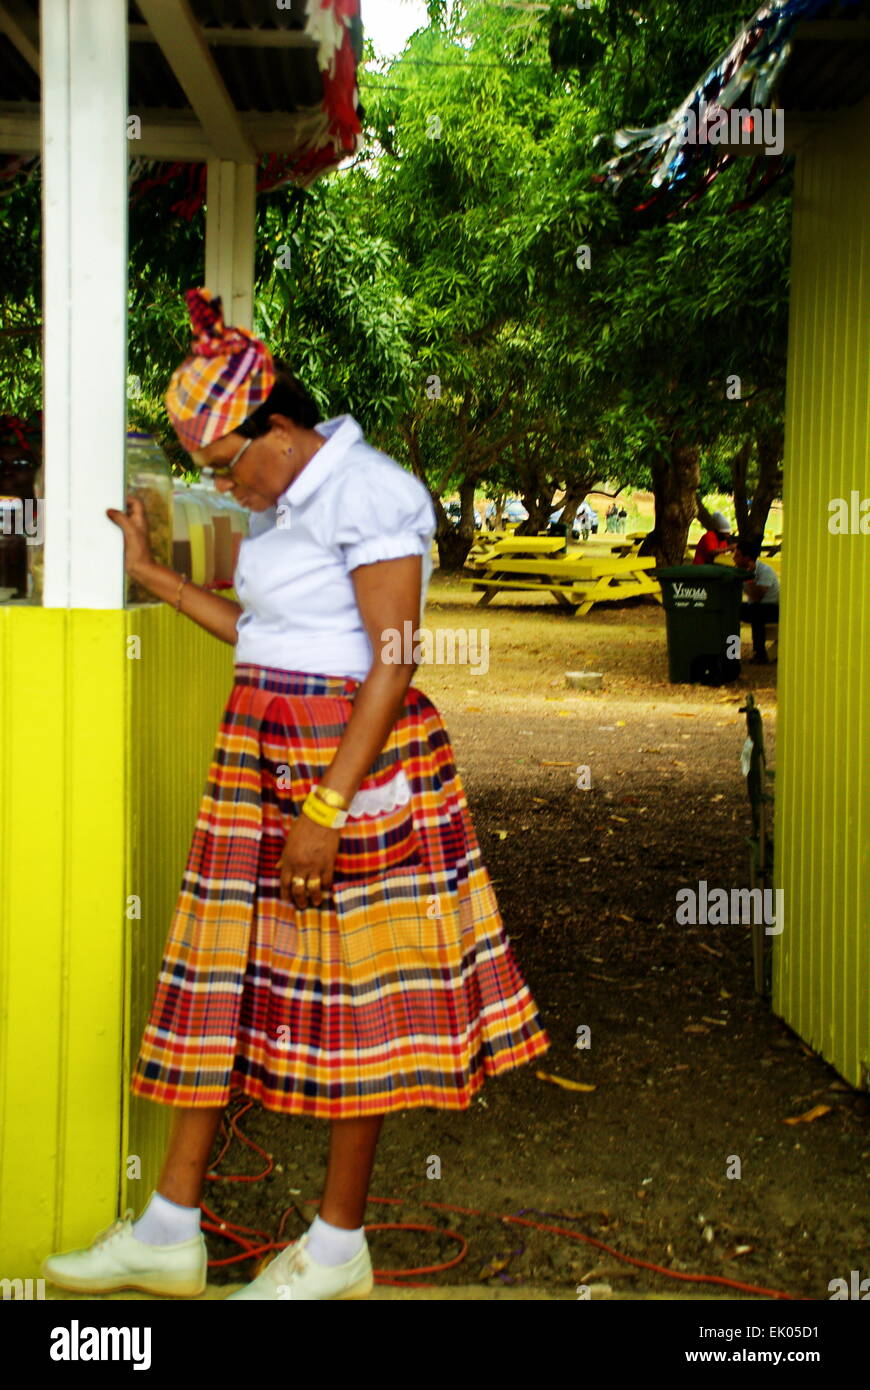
(702, 611)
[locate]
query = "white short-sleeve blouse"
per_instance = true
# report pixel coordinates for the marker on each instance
(351, 505)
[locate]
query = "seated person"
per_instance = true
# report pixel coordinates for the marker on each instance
(762, 593)
(717, 539)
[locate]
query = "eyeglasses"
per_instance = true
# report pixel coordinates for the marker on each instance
(224, 470)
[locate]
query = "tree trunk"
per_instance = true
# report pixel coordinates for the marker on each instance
(739, 465)
(769, 449)
(452, 548)
(575, 493)
(539, 509)
(454, 542)
(676, 477)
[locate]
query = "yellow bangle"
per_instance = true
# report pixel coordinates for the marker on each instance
(331, 798)
(322, 814)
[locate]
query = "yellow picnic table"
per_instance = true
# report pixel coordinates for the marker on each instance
(485, 547)
(576, 583)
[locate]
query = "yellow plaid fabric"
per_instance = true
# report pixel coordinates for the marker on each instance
(227, 376)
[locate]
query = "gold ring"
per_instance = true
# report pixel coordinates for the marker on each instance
(297, 880)
(314, 881)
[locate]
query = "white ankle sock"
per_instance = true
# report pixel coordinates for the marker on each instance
(166, 1223)
(333, 1245)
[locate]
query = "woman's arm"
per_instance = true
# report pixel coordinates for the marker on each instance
(388, 595)
(217, 615)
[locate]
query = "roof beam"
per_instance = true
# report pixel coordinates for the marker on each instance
(236, 38)
(180, 37)
(16, 22)
(178, 137)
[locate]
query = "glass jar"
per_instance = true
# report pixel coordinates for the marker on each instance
(148, 476)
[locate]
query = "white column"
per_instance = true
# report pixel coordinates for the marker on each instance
(84, 169)
(231, 200)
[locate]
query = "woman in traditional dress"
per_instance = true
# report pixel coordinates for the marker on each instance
(336, 949)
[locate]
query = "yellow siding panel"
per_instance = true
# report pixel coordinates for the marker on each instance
(178, 688)
(61, 878)
(104, 757)
(822, 959)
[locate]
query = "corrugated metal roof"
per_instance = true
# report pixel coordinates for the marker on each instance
(18, 81)
(267, 78)
(824, 74)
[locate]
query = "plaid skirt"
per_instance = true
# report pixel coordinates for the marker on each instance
(400, 990)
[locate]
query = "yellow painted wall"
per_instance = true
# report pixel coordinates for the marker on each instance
(822, 959)
(103, 759)
(62, 852)
(178, 688)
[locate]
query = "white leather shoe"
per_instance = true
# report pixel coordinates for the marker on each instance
(293, 1275)
(117, 1260)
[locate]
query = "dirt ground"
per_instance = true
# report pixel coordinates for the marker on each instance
(689, 1066)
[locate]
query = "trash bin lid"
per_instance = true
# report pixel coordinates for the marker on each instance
(703, 574)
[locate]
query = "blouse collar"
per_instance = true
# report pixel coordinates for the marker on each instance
(340, 433)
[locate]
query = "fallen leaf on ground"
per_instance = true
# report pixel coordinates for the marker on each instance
(561, 1081)
(720, 1022)
(809, 1115)
(709, 950)
(695, 1028)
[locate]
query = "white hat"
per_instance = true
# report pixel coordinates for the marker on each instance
(721, 523)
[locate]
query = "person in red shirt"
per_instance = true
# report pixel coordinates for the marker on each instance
(714, 541)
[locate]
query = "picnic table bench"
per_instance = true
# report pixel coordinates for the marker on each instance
(575, 582)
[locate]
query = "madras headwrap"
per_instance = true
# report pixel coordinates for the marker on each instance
(227, 376)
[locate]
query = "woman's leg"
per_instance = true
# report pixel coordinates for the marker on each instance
(183, 1175)
(352, 1145)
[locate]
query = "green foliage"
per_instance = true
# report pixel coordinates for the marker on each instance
(436, 288)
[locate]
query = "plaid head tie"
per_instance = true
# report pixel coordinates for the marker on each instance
(227, 376)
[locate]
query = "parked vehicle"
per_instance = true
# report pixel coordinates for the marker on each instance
(454, 514)
(585, 522)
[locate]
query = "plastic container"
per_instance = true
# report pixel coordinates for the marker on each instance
(148, 476)
(232, 521)
(702, 611)
(194, 527)
(209, 530)
(222, 532)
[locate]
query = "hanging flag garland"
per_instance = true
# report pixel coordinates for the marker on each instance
(681, 154)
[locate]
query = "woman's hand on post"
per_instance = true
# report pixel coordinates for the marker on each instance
(308, 857)
(137, 541)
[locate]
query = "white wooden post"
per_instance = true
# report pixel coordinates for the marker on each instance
(84, 167)
(231, 200)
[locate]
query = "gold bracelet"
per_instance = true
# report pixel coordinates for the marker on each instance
(330, 797)
(178, 594)
(321, 814)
